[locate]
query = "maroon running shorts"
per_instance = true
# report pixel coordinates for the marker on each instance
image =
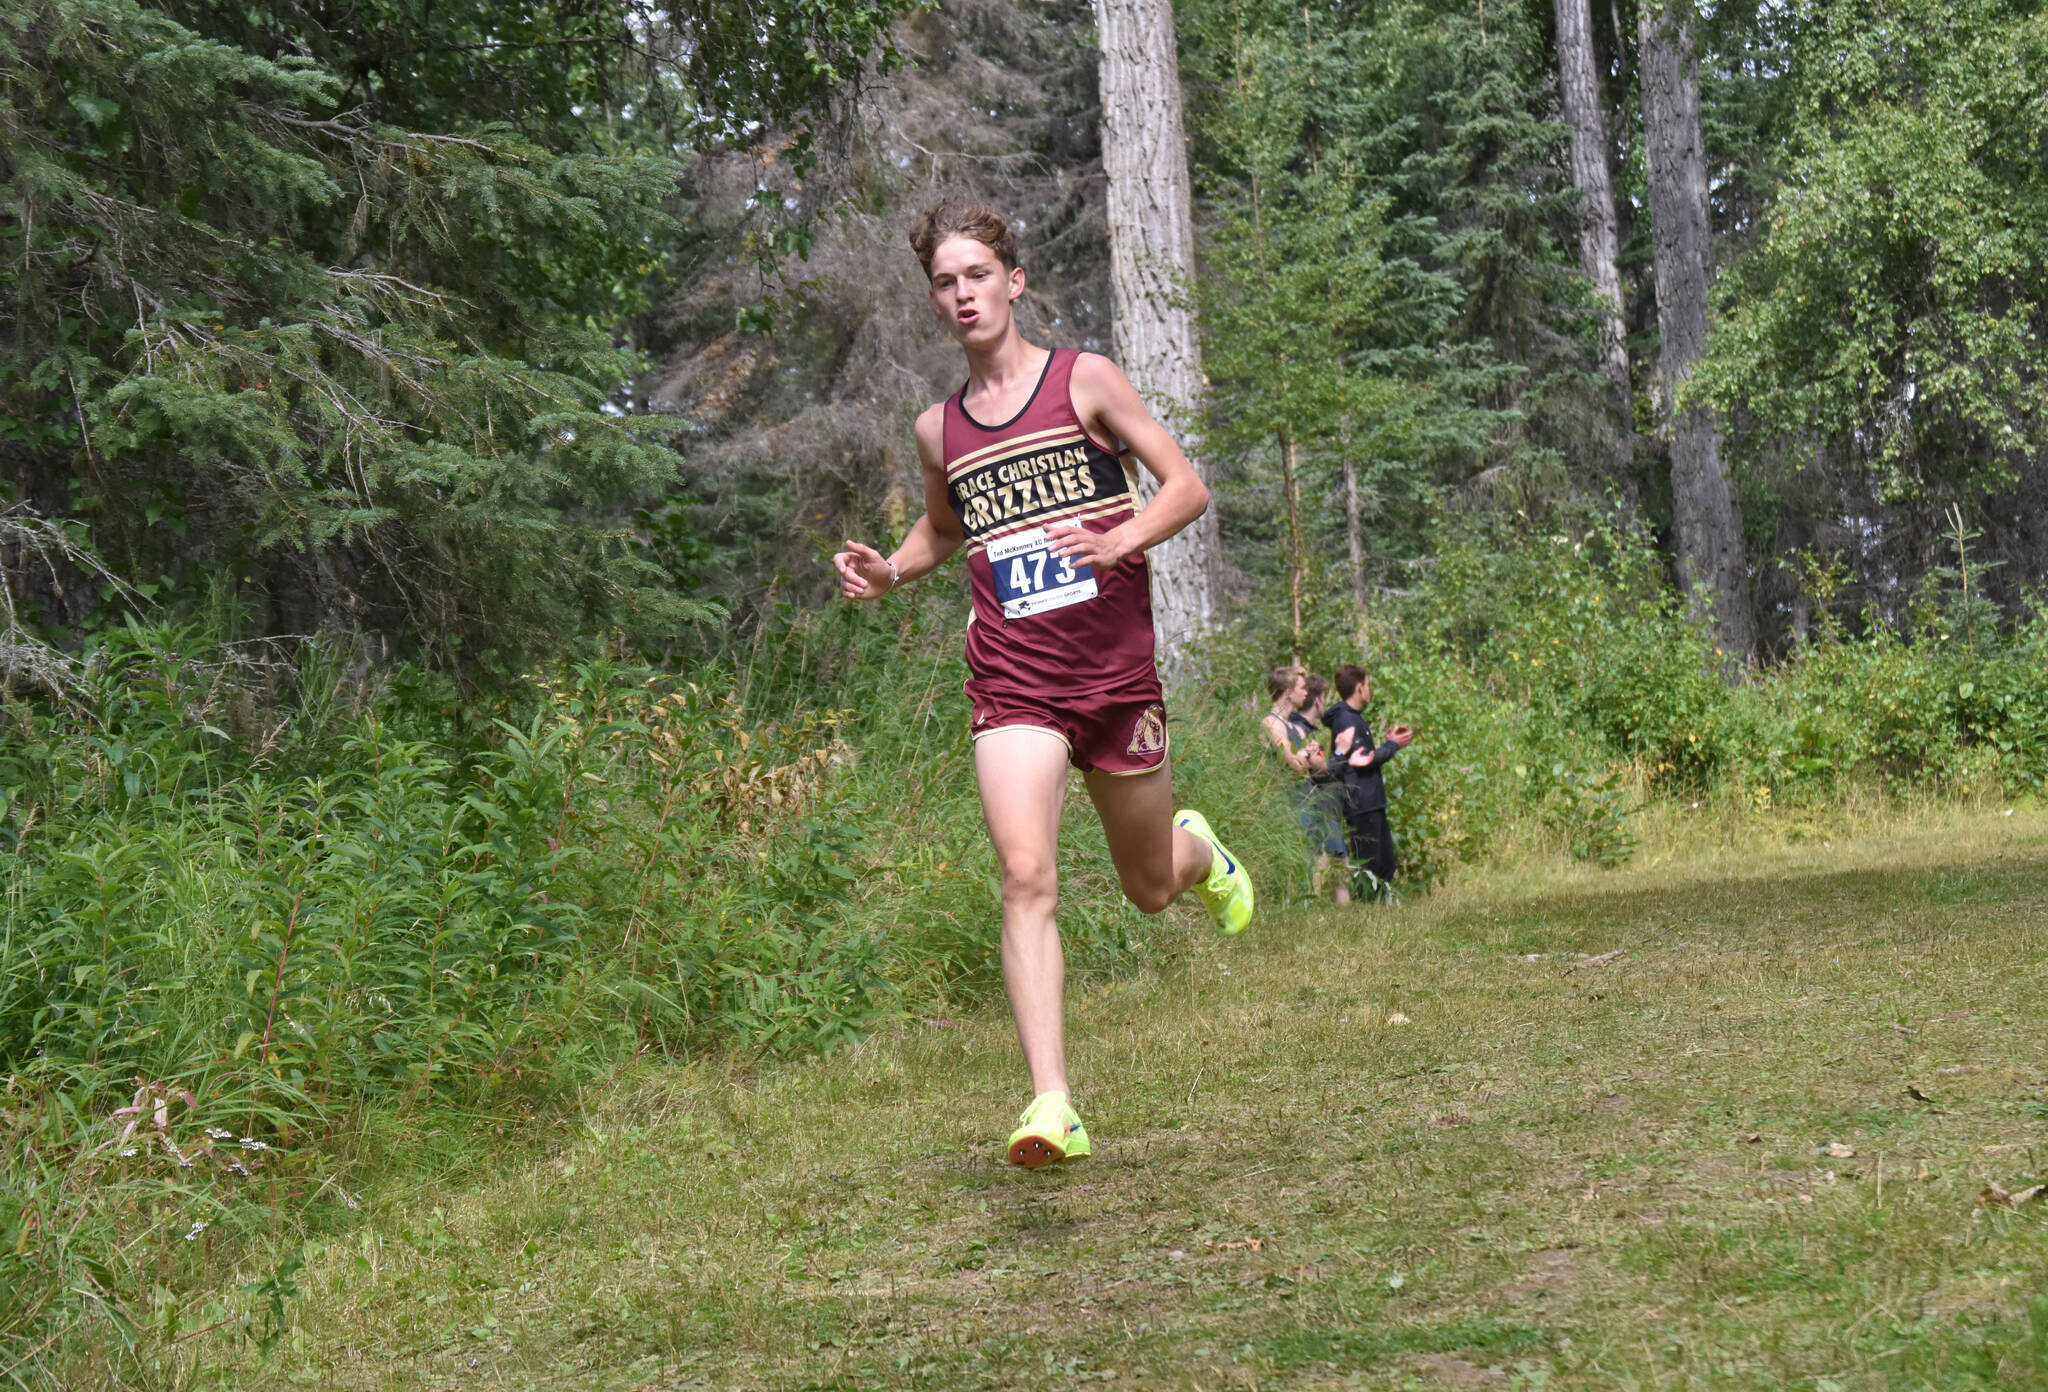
(1122, 731)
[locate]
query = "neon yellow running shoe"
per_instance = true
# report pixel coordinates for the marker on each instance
(1049, 1130)
(1227, 893)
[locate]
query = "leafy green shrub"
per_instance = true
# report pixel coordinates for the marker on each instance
(231, 931)
(1551, 672)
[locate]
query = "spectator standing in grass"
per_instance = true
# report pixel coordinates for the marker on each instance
(1360, 763)
(1290, 727)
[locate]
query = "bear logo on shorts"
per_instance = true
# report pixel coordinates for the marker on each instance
(1149, 736)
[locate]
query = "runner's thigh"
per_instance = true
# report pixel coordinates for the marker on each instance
(1022, 774)
(1137, 821)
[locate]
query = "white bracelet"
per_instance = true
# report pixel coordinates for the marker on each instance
(895, 575)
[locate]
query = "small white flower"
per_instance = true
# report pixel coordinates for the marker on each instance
(197, 1228)
(220, 1133)
(251, 1143)
(130, 1151)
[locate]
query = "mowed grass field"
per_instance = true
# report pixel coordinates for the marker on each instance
(1735, 1121)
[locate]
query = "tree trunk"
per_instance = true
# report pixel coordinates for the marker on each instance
(1290, 475)
(1711, 565)
(1354, 537)
(1151, 276)
(1578, 81)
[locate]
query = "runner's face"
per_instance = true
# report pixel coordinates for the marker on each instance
(971, 293)
(1297, 693)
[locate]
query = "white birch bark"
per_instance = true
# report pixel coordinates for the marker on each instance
(1354, 533)
(1151, 273)
(1711, 563)
(1578, 82)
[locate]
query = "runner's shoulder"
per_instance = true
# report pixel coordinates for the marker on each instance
(931, 431)
(1095, 370)
(1096, 386)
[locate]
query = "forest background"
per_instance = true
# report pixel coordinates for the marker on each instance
(423, 427)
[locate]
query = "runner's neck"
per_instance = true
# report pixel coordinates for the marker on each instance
(1000, 379)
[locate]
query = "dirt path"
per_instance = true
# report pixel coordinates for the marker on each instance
(1659, 1128)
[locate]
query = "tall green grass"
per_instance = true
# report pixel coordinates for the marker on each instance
(1558, 688)
(256, 916)
(225, 952)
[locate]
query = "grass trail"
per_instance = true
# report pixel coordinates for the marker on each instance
(1720, 1124)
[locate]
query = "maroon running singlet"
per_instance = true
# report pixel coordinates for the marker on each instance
(1051, 643)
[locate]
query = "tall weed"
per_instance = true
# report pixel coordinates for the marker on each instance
(1556, 682)
(250, 908)
(231, 930)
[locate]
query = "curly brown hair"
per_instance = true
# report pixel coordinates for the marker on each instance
(953, 218)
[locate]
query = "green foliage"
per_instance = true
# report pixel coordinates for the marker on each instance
(230, 937)
(1891, 314)
(1555, 682)
(334, 303)
(322, 335)
(1389, 306)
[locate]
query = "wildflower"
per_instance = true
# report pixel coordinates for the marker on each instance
(130, 1151)
(251, 1143)
(220, 1133)
(197, 1228)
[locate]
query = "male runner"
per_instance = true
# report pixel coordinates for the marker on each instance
(1022, 466)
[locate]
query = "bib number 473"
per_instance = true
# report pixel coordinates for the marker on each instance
(1031, 580)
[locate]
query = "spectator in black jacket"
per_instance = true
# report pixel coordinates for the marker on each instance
(1360, 762)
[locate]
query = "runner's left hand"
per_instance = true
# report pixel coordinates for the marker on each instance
(863, 572)
(1102, 550)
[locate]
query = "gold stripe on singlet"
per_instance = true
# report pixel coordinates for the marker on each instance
(1016, 444)
(1080, 512)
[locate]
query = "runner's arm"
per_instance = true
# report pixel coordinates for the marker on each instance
(1110, 406)
(863, 571)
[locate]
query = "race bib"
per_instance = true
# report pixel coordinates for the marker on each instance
(1031, 580)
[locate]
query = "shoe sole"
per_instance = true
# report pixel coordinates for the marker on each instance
(1035, 1152)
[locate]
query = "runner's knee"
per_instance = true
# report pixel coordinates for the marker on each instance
(1027, 878)
(1148, 895)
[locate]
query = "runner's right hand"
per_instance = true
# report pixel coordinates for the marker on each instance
(863, 573)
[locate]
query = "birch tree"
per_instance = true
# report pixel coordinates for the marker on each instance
(1578, 81)
(1152, 265)
(1711, 565)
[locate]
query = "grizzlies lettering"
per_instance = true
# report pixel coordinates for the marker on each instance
(1046, 483)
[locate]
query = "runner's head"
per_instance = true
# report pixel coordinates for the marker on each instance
(970, 259)
(1353, 682)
